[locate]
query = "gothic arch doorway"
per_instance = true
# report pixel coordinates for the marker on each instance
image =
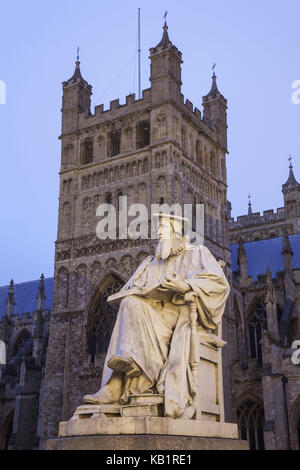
(251, 420)
(6, 430)
(102, 316)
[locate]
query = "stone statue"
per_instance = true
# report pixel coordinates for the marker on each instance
(174, 296)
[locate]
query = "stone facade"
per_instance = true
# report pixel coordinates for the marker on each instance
(22, 374)
(266, 297)
(161, 149)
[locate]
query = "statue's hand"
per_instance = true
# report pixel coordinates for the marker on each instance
(174, 282)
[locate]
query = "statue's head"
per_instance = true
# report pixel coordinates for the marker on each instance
(170, 233)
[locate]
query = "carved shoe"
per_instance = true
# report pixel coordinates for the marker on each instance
(105, 396)
(127, 366)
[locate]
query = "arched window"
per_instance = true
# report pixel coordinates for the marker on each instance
(257, 325)
(160, 190)
(183, 140)
(250, 417)
(212, 162)
(66, 220)
(199, 155)
(114, 144)
(102, 317)
(142, 134)
(87, 151)
(87, 210)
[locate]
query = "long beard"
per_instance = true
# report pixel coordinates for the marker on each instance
(163, 249)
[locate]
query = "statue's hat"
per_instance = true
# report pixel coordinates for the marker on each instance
(178, 223)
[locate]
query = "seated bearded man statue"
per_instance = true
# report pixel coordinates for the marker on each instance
(150, 344)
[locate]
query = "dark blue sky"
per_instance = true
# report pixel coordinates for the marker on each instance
(257, 50)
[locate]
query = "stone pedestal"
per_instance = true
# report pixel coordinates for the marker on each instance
(145, 433)
(144, 442)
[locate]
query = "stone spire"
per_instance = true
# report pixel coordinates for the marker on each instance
(214, 92)
(41, 296)
(249, 206)
(287, 255)
(77, 73)
(271, 294)
(271, 307)
(10, 303)
(286, 246)
(291, 194)
(76, 77)
(242, 260)
(291, 182)
(165, 41)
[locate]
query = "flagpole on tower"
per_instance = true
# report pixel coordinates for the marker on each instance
(139, 50)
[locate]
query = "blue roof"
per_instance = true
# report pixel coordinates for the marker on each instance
(262, 254)
(25, 296)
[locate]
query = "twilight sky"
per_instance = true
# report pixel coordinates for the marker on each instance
(255, 44)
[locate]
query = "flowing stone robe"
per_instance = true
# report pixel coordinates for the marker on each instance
(156, 335)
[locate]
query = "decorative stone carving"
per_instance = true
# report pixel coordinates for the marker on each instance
(66, 219)
(62, 288)
(95, 272)
(81, 285)
(126, 265)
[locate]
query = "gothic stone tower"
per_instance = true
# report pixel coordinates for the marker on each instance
(158, 149)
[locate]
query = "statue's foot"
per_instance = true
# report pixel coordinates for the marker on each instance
(127, 366)
(105, 396)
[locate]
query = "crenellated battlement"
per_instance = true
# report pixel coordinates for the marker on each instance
(133, 105)
(116, 110)
(257, 219)
(192, 109)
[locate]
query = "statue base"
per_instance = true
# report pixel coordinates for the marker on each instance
(145, 433)
(144, 442)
